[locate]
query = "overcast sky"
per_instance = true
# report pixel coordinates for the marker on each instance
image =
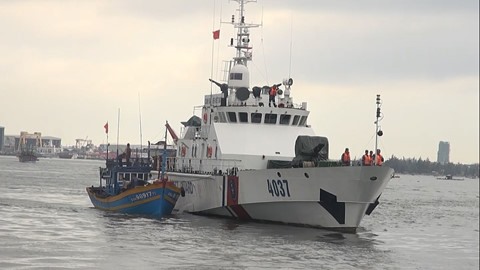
(68, 66)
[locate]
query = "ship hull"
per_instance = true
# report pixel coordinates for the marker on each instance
(27, 158)
(335, 198)
(151, 200)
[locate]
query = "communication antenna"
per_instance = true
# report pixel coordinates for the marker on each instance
(213, 47)
(291, 38)
(140, 121)
(378, 131)
(118, 128)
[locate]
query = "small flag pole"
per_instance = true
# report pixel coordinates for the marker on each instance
(106, 131)
(118, 128)
(213, 47)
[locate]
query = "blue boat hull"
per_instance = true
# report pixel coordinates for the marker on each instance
(151, 200)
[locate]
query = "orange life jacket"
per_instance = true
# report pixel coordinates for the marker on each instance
(367, 160)
(379, 160)
(346, 157)
(273, 91)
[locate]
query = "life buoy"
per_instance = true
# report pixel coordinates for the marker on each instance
(205, 118)
(209, 151)
(184, 151)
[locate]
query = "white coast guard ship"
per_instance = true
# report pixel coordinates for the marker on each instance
(228, 165)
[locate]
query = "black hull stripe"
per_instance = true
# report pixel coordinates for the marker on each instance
(336, 209)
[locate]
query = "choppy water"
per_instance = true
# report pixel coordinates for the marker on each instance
(46, 221)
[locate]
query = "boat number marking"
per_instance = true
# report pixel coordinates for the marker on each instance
(172, 195)
(278, 188)
(143, 195)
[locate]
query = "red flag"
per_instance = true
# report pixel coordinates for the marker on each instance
(106, 128)
(216, 34)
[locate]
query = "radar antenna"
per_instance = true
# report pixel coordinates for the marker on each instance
(244, 50)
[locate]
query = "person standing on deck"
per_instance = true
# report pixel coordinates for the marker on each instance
(346, 157)
(366, 159)
(378, 158)
(128, 153)
(272, 94)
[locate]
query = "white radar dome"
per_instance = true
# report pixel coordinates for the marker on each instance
(239, 76)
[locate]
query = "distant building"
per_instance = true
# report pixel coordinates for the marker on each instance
(443, 155)
(44, 145)
(2, 138)
(8, 144)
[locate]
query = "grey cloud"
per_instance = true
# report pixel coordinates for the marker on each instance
(162, 10)
(388, 6)
(401, 45)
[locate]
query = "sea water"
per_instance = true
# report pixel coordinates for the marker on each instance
(47, 221)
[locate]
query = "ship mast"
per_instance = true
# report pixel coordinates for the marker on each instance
(378, 131)
(244, 53)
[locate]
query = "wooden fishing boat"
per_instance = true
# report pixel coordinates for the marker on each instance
(128, 187)
(27, 155)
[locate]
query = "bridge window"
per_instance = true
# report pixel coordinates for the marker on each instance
(295, 120)
(221, 116)
(243, 117)
(270, 118)
(303, 120)
(256, 117)
(194, 150)
(285, 119)
(232, 117)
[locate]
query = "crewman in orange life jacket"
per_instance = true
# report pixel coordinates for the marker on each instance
(271, 95)
(366, 159)
(378, 158)
(346, 157)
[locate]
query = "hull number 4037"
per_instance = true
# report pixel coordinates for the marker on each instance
(278, 188)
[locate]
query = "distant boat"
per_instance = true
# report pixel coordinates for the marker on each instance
(449, 177)
(27, 155)
(27, 152)
(128, 188)
(65, 155)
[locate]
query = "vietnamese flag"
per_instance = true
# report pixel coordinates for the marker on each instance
(216, 34)
(106, 127)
